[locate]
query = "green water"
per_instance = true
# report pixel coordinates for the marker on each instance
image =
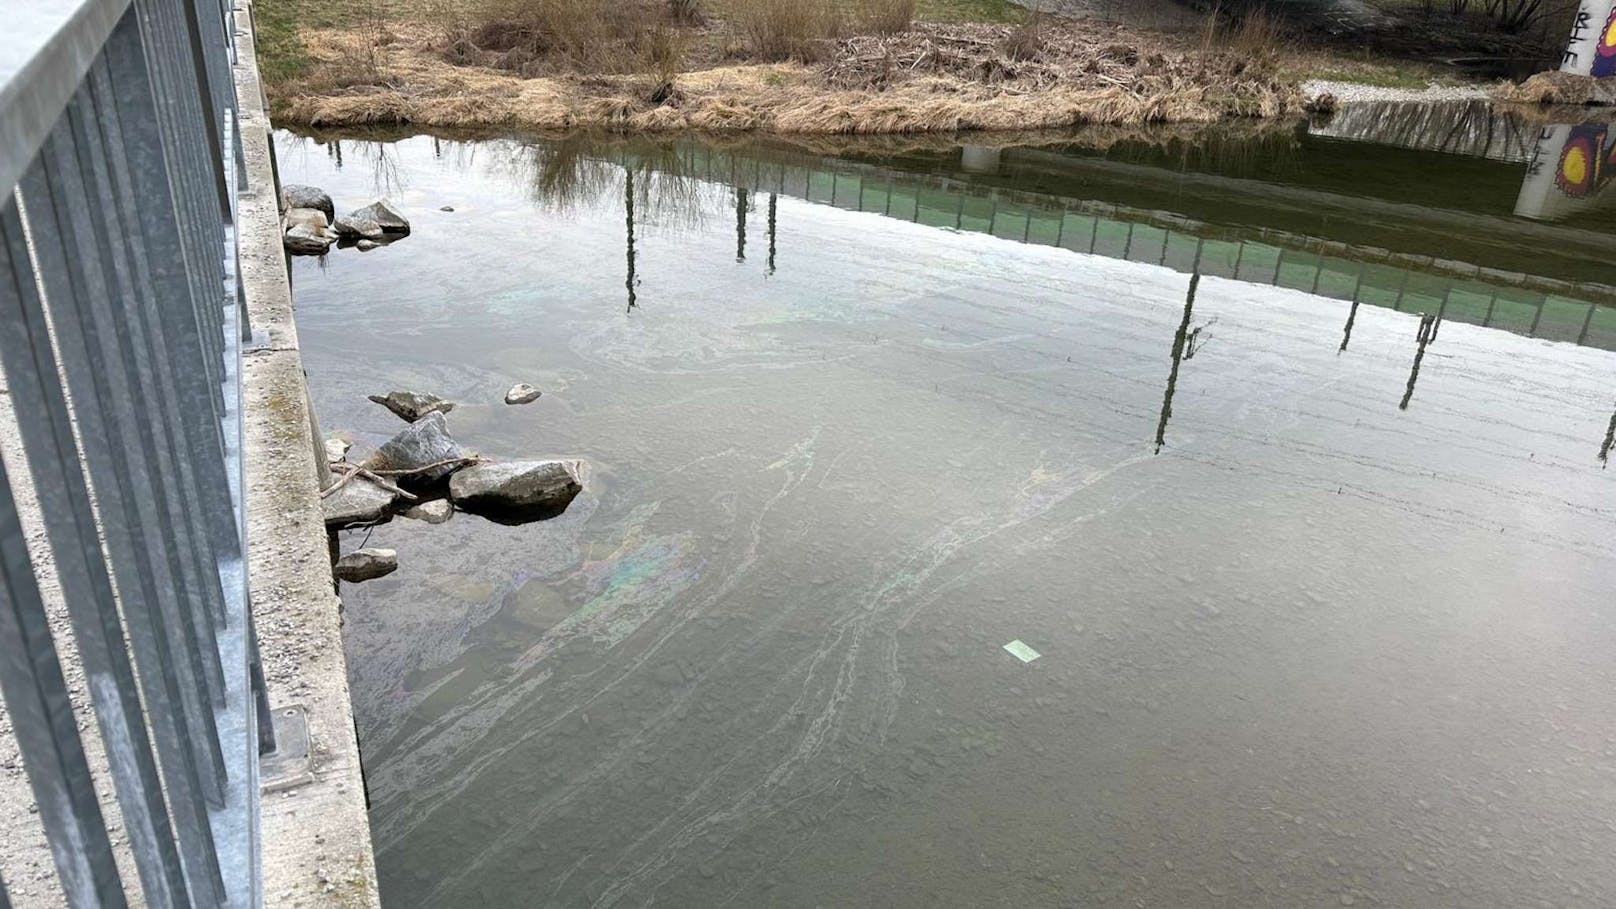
(1323, 613)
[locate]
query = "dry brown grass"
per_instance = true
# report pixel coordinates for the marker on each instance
(932, 78)
(1253, 33)
(1557, 88)
(787, 29)
(1025, 40)
(537, 38)
(887, 17)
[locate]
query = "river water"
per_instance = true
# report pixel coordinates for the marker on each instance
(1323, 612)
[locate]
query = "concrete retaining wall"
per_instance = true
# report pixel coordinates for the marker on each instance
(316, 832)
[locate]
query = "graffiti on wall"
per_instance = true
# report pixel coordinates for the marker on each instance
(1591, 49)
(1605, 48)
(1569, 171)
(1587, 160)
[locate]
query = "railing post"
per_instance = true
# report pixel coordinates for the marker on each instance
(121, 327)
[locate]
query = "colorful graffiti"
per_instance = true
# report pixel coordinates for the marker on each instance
(1586, 163)
(1591, 49)
(1572, 166)
(1605, 49)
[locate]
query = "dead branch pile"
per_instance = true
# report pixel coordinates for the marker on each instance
(1067, 56)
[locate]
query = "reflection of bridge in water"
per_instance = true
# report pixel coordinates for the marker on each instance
(1515, 301)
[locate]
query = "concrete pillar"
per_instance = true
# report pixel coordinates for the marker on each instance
(1591, 47)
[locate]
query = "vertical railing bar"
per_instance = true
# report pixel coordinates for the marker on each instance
(83, 232)
(36, 695)
(157, 61)
(149, 227)
(260, 691)
(174, 103)
(171, 719)
(132, 119)
(141, 602)
(146, 363)
(209, 95)
(123, 320)
(187, 406)
(87, 590)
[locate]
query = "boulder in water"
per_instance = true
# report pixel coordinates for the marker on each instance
(351, 228)
(522, 393)
(302, 241)
(297, 195)
(418, 453)
(413, 405)
(436, 511)
(516, 491)
(311, 218)
(358, 501)
(381, 211)
(365, 564)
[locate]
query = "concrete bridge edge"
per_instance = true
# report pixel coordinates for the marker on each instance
(315, 829)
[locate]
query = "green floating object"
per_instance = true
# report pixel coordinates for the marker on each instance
(1019, 649)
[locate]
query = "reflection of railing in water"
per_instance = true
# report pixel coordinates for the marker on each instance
(1516, 302)
(1610, 438)
(1181, 340)
(1429, 323)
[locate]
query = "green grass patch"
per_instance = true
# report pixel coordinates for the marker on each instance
(282, 55)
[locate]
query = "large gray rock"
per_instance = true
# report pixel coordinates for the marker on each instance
(359, 501)
(423, 443)
(413, 405)
(311, 218)
(436, 511)
(519, 490)
(365, 564)
(301, 241)
(522, 393)
(297, 195)
(351, 228)
(383, 213)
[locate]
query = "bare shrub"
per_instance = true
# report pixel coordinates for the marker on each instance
(686, 12)
(531, 36)
(663, 51)
(364, 53)
(1256, 35)
(783, 29)
(888, 17)
(1259, 37)
(1027, 39)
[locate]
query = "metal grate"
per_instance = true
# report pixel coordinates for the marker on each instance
(120, 339)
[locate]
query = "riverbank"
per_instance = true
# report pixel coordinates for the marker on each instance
(933, 77)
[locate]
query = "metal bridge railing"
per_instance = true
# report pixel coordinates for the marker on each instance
(121, 327)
